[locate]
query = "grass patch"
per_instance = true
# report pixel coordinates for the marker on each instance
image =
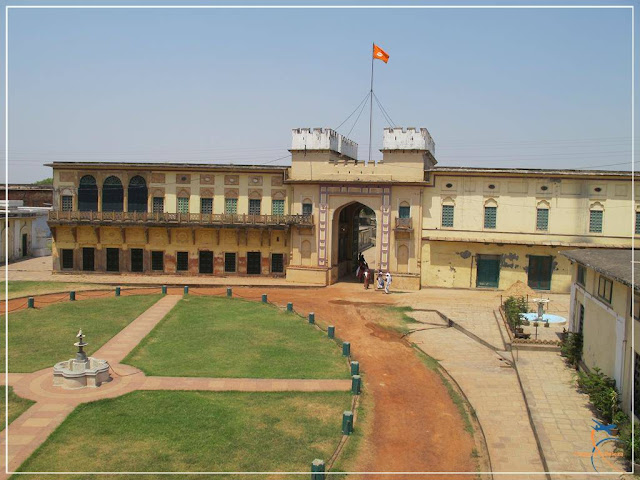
(21, 288)
(39, 338)
(17, 405)
(221, 337)
(355, 446)
(396, 319)
(162, 431)
(460, 403)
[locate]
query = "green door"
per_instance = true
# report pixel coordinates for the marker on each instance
(488, 271)
(540, 272)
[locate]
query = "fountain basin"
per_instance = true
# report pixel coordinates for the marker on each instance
(73, 374)
(547, 318)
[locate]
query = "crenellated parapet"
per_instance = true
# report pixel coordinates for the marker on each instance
(323, 139)
(409, 139)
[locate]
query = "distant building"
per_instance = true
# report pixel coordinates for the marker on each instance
(605, 301)
(29, 234)
(434, 226)
(31, 195)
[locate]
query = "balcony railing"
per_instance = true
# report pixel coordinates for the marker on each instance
(403, 224)
(144, 218)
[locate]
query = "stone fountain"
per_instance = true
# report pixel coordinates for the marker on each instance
(81, 371)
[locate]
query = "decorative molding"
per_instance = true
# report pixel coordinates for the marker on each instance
(157, 178)
(276, 181)
(231, 193)
(183, 178)
(255, 180)
(207, 179)
(68, 177)
(278, 194)
(255, 194)
(231, 179)
(183, 193)
(206, 193)
(157, 192)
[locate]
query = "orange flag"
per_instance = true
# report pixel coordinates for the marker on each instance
(380, 54)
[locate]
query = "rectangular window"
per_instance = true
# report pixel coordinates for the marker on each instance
(595, 221)
(182, 261)
(158, 204)
(67, 258)
(637, 223)
(67, 203)
(183, 205)
(277, 207)
(542, 219)
(581, 318)
(157, 261)
(231, 205)
(206, 206)
(582, 275)
(605, 288)
(490, 215)
(635, 306)
(137, 260)
(254, 207)
(113, 260)
(277, 263)
(307, 208)
(88, 259)
(230, 262)
(447, 215)
(636, 385)
(404, 212)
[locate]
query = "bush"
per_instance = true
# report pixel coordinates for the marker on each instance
(571, 347)
(602, 392)
(628, 442)
(513, 307)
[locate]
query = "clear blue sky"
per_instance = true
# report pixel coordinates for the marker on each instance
(509, 88)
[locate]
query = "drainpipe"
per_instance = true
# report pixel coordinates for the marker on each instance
(471, 272)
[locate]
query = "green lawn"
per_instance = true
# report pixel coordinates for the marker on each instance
(162, 431)
(20, 288)
(220, 337)
(39, 338)
(17, 405)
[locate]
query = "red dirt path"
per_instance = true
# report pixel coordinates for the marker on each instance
(415, 425)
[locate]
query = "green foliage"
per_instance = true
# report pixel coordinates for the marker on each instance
(602, 392)
(571, 347)
(44, 181)
(17, 405)
(630, 443)
(513, 307)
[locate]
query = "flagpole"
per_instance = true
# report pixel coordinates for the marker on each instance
(371, 100)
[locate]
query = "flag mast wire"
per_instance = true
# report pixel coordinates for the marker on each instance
(371, 99)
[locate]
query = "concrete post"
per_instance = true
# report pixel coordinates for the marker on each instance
(355, 368)
(264, 298)
(289, 307)
(30, 302)
(117, 291)
(186, 289)
(312, 318)
(346, 349)
(331, 331)
(356, 384)
(229, 292)
(72, 296)
(317, 470)
(347, 422)
(164, 289)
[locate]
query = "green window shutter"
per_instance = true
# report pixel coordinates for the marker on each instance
(595, 221)
(231, 205)
(183, 205)
(447, 215)
(542, 219)
(490, 215)
(638, 222)
(277, 207)
(404, 212)
(307, 209)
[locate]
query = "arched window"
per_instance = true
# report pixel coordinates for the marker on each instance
(138, 193)
(112, 195)
(88, 194)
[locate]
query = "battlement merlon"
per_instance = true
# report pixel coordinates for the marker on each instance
(411, 139)
(323, 139)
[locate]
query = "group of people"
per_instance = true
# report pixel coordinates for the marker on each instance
(365, 275)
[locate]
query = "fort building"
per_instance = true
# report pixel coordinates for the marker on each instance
(434, 225)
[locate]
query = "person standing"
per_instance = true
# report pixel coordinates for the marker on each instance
(387, 282)
(380, 284)
(367, 276)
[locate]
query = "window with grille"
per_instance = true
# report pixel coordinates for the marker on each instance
(582, 275)
(635, 306)
(637, 222)
(67, 203)
(182, 261)
(67, 258)
(447, 215)
(636, 386)
(158, 204)
(542, 219)
(490, 215)
(183, 205)
(581, 318)
(157, 261)
(277, 207)
(254, 207)
(88, 259)
(605, 288)
(404, 212)
(230, 205)
(206, 205)
(230, 262)
(307, 208)
(595, 221)
(277, 263)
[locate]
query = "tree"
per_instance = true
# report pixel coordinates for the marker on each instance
(45, 181)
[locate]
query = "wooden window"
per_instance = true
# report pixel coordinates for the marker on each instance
(230, 262)
(88, 259)
(595, 221)
(88, 194)
(404, 211)
(182, 261)
(157, 261)
(183, 205)
(158, 204)
(206, 205)
(582, 275)
(137, 259)
(67, 203)
(113, 259)
(307, 208)
(231, 205)
(490, 217)
(277, 263)
(447, 215)
(542, 219)
(605, 288)
(254, 206)
(637, 223)
(277, 207)
(67, 258)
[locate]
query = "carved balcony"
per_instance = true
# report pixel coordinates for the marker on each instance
(404, 224)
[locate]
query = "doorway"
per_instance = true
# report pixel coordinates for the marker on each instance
(137, 262)
(206, 262)
(488, 271)
(88, 259)
(540, 272)
(253, 263)
(354, 233)
(25, 245)
(113, 260)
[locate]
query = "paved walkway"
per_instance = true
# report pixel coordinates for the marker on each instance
(53, 404)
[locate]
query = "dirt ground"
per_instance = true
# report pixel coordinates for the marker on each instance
(415, 427)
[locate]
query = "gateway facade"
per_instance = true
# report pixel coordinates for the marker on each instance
(435, 226)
